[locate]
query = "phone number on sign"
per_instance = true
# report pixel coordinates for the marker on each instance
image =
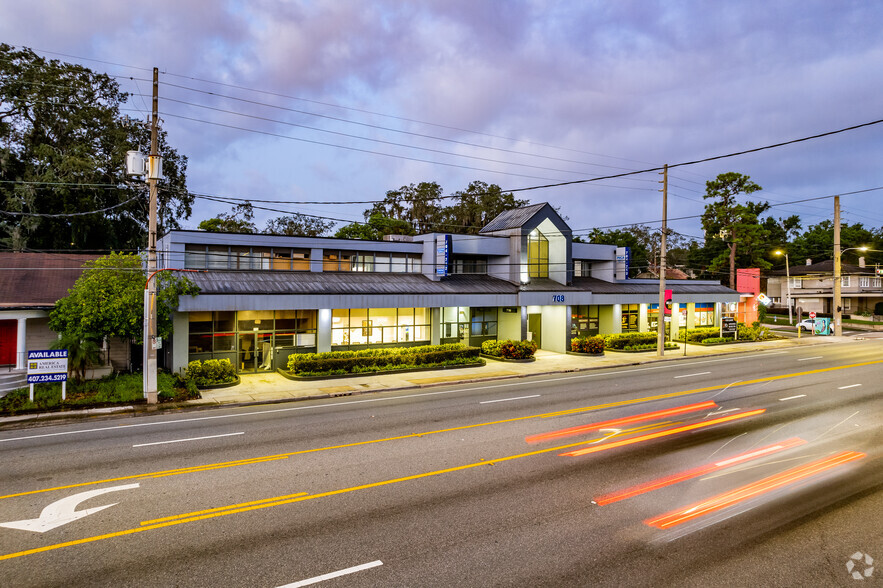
(39, 378)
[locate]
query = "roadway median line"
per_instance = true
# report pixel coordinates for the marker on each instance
(256, 460)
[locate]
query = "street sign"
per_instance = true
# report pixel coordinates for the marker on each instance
(812, 314)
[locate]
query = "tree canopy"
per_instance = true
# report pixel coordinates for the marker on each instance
(63, 145)
(108, 300)
(376, 227)
(733, 223)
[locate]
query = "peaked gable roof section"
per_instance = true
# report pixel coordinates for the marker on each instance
(524, 220)
(38, 280)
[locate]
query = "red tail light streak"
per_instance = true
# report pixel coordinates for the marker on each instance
(721, 501)
(664, 433)
(696, 472)
(638, 418)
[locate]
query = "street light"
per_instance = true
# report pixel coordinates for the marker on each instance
(838, 311)
(787, 283)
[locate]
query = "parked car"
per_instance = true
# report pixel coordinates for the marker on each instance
(807, 325)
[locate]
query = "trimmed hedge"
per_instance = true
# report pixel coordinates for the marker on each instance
(509, 348)
(375, 360)
(700, 335)
(623, 340)
(210, 373)
(593, 345)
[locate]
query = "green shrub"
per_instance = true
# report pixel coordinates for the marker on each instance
(491, 347)
(371, 360)
(587, 344)
(756, 332)
(699, 335)
(717, 339)
(210, 373)
(621, 340)
(511, 349)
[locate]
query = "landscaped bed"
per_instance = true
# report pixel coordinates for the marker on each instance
(112, 390)
(509, 350)
(374, 361)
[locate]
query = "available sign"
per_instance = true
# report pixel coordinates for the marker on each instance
(48, 365)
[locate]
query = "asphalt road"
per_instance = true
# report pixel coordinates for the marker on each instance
(467, 485)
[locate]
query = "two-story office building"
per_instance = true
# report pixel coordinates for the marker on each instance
(265, 297)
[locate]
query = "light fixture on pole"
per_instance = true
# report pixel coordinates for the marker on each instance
(787, 284)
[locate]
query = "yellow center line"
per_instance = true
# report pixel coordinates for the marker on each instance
(596, 407)
(271, 502)
(220, 508)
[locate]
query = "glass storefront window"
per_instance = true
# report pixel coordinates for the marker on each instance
(200, 343)
(379, 326)
(584, 321)
(225, 342)
(704, 314)
(223, 320)
(630, 313)
(255, 320)
(200, 322)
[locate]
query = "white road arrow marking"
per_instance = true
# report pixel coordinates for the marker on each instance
(64, 511)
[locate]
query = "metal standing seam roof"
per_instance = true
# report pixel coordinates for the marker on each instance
(512, 219)
(344, 283)
(358, 283)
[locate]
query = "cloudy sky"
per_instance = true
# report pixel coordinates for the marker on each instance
(342, 100)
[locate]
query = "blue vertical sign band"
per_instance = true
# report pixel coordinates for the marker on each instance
(449, 245)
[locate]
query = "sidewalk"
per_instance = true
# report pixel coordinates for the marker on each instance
(271, 387)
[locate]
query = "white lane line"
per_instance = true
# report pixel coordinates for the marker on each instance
(598, 374)
(336, 574)
(508, 399)
(792, 397)
(191, 439)
(691, 375)
(811, 358)
(850, 386)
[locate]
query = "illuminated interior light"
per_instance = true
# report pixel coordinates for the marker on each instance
(749, 491)
(696, 472)
(664, 433)
(611, 424)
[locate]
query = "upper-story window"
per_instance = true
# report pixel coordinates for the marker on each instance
(334, 260)
(869, 282)
(844, 281)
(469, 265)
(223, 257)
(537, 255)
(582, 268)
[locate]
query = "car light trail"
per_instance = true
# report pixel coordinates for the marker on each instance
(696, 472)
(614, 423)
(749, 491)
(664, 433)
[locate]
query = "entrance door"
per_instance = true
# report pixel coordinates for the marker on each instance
(8, 342)
(248, 361)
(255, 352)
(535, 326)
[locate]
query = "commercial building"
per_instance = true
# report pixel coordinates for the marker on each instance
(265, 297)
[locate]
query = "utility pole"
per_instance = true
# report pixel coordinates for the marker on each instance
(660, 324)
(154, 171)
(837, 313)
